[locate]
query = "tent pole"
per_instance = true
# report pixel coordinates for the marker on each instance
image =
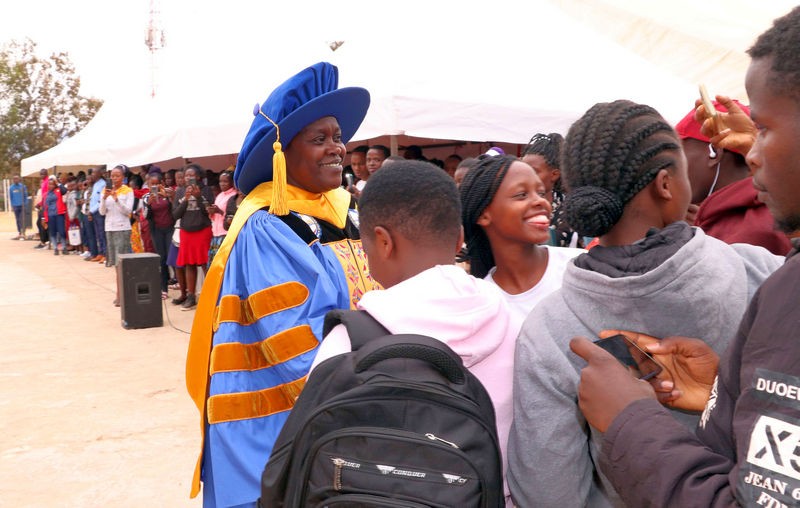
(393, 144)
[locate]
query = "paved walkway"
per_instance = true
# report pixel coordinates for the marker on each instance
(91, 414)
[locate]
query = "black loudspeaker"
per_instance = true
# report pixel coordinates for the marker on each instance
(139, 282)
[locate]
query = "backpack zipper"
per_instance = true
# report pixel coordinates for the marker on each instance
(436, 438)
(338, 464)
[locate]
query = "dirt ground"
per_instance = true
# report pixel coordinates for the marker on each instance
(91, 414)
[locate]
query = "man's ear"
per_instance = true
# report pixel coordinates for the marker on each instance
(384, 242)
(555, 175)
(460, 239)
(713, 161)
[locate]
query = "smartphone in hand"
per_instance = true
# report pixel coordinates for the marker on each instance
(707, 103)
(637, 360)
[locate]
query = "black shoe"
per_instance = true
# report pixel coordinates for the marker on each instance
(190, 303)
(65, 252)
(179, 300)
(55, 252)
(40, 246)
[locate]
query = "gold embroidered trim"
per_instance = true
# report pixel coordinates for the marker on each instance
(259, 304)
(247, 405)
(279, 348)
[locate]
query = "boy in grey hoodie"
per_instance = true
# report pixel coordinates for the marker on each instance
(628, 186)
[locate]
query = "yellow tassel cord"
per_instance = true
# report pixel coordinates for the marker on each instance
(279, 205)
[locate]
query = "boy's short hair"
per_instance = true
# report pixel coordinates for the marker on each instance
(414, 198)
(781, 43)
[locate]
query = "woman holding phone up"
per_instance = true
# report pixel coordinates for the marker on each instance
(192, 210)
(159, 214)
(116, 206)
(217, 210)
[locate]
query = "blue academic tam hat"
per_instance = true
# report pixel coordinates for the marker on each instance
(302, 99)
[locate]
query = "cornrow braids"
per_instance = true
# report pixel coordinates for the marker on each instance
(611, 153)
(477, 191)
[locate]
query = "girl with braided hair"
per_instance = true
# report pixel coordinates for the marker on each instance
(627, 183)
(543, 153)
(506, 221)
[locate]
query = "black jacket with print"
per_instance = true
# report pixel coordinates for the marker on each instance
(747, 448)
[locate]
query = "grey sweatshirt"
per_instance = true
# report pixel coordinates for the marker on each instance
(700, 291)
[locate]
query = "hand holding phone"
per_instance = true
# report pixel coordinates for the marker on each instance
(634, 358)
(711, 112)
(606, 388)
(732, 129)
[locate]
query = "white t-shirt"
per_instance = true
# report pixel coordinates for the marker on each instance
(522, 303)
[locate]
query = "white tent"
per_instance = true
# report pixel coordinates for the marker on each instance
(450, 71)
(148, 131)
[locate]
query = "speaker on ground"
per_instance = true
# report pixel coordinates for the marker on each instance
(139, 290)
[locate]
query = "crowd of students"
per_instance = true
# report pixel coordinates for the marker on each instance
(627, 226)
(619, 184)
(182, 215)
(677, 245)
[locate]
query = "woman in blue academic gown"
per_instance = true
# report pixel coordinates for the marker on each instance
(291, 254)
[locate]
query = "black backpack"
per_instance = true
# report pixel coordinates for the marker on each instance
(398, 422)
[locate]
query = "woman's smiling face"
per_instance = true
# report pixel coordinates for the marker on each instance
(519, 211)
(314, 157)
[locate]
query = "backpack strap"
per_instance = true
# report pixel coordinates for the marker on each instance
(361, 326)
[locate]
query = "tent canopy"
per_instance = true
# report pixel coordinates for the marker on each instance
(448, 71)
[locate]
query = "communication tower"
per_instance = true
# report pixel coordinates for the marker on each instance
(154, 39)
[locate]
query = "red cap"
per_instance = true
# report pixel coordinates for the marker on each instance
(689, 128)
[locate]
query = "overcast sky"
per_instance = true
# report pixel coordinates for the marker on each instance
(205, 39)
(216, 41)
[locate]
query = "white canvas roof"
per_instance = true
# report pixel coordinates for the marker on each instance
(452, 71)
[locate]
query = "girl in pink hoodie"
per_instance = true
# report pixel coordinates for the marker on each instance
(410, 228)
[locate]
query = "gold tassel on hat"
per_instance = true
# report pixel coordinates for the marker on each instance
(279, 204)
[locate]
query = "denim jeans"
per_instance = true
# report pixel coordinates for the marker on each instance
(18, 217)
(100, 232)
(88, 235)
